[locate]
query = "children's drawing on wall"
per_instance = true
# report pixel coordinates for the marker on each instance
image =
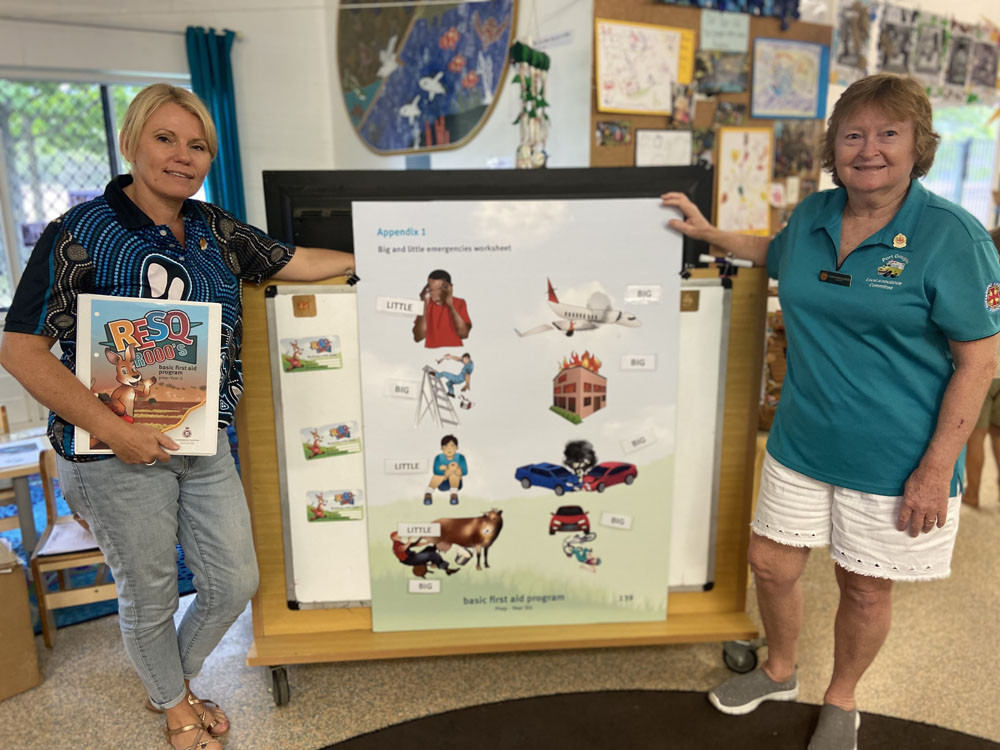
(307, 354)
(959, 52)
(984, 73)
(796, 145)
(718, 72)
(897, 41)
(853, 33)
(334, 505)
(789, 79)
(729, 113)
(421, 78)
(330, 440)
(449, 471)
(683, 109)
(702, 146)
(445, 319)
(572, 317)
(927, 60)
(578, 389)
(744, 180)
(613, 133)
(637, 66)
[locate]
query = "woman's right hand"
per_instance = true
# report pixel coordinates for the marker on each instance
(694, 224)
(140, 444)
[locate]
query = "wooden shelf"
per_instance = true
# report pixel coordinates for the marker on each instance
(358, 645)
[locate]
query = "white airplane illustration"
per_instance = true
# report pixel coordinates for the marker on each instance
(387, 59)
(574, 318)
(411, 111)
(432, 85)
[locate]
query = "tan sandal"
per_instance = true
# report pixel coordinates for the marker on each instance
(207, 704)
(201, 716)
(199, 743)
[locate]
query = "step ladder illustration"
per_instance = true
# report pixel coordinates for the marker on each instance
(434, 398)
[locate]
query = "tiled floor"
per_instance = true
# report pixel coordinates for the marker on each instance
(938, 666)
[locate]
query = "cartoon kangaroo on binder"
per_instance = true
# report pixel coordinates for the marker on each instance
(123, 397)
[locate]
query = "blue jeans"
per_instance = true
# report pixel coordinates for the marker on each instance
(138, 514)
(452, 379)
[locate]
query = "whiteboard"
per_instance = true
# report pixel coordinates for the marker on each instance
(326, 565)
(700, 399)
(317, 406)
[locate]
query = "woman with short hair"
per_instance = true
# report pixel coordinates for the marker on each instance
(145, 237)
(891, 302)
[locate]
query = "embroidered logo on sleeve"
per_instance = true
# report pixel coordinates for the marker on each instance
(993, 297)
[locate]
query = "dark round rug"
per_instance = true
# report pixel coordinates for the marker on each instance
(638, 719)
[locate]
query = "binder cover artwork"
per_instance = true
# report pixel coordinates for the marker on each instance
(152, 362)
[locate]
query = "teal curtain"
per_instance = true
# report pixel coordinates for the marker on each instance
(212, 79)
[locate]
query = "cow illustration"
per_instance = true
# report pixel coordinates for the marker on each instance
(471, 534)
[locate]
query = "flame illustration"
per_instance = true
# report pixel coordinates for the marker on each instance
(588, 361)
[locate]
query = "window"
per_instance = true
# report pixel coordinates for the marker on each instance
(964, 164)
(58, 148)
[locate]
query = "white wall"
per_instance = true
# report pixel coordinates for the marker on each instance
(568, 24)
(280, 63)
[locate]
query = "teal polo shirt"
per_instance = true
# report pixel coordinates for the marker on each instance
(868, 356)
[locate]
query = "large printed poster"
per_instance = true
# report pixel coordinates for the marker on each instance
(519, 379)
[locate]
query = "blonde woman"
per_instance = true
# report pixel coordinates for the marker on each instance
(145, 237)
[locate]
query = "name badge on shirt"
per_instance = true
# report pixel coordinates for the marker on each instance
(832, 277)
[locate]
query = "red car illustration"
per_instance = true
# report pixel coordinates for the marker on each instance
(609, 473)
(569, 518)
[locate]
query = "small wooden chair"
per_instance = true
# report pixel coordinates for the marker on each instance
(6, 491)
(67, 542)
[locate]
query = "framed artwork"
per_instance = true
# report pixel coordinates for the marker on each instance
(639, 64)
(983, 73)
(789, 79)
(744, 169)
(662, 148)
(721, 72)
(897, 41)
(729, 113)
(852, 35)
(414, 79)
(929, 52)
(797, 147)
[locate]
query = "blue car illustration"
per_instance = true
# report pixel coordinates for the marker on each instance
(551, 476)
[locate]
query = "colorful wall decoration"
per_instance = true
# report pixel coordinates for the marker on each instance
(422, 77)
(789, 78)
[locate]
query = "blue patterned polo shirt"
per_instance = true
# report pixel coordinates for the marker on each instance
(109, 246)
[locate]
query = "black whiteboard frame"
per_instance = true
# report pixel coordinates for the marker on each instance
(313, 208)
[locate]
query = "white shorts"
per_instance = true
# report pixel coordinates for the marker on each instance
(860, 528)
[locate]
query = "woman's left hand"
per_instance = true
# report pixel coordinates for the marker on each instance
(925, 502)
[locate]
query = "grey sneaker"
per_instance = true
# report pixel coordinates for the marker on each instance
(742, 694)
(837, 729)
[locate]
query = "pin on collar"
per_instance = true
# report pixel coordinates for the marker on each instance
(899, 241)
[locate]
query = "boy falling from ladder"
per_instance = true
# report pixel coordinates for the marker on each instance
(449, 468)
(463, 376)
